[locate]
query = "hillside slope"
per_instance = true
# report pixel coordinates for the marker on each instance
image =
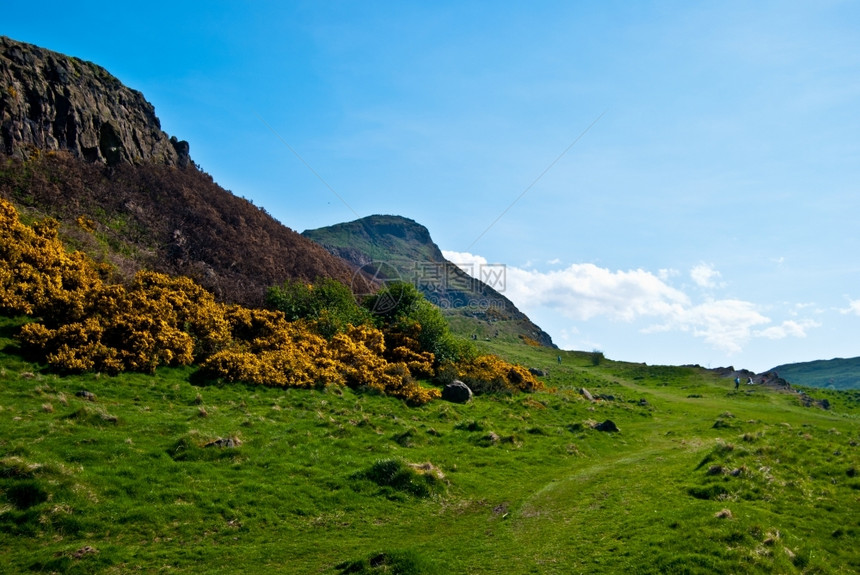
(79, 146)
(146, 472)
(397, 248)
(837, 373)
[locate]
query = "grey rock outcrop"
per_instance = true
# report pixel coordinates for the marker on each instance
(457, 392)
(52, 102)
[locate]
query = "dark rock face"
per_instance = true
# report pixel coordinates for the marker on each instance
(457, 392)
(51, 102)
(538, 372)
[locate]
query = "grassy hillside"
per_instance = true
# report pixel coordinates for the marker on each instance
(835, 373)
(699, 479)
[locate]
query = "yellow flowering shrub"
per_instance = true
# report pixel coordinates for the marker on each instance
(85, 323)
(490, 373)
(269, 350)
(403, 347)
(37, 275)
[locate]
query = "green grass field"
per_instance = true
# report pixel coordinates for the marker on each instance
(699, 479)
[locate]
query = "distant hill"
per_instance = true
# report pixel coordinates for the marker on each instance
(397, 248)
(835, 373)
(79, 146)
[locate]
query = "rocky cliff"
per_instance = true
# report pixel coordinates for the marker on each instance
(53, 102)
(77, 145)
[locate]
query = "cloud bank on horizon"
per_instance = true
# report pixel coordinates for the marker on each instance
(584, 292)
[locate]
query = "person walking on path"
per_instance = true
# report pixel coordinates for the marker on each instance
(737, 382)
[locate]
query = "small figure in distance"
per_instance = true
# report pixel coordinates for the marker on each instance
(737, 382)
(559, 359)
(750, 381)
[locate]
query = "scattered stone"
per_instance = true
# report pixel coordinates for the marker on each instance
(586, 394)
(457, 392)
(538, 372)
(606, 397)
(87, 395)
(228, 442)
(716, 470)
(771, 539)
(723, 514)
(643, 402)
(492, 437)
(607, 425)
(83, 551)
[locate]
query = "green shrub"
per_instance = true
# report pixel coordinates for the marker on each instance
(329, 304)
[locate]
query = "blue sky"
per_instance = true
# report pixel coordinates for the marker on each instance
(706, 214)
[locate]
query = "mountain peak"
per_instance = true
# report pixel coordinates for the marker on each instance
(395, 247)
(52, 102)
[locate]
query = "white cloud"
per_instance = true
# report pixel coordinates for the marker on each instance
(705, 276)
(554, 261)
(583, 292)
(853, 307)
(724, 324)
(666, 274)
(788, 328)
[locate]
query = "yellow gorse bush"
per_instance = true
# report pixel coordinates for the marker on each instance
(83, 322)
(490, 373)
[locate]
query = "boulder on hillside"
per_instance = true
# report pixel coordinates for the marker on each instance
(457, 392)
(586, 394)
(607, 425)
(87, 395)
(538, 372)
(225, 442)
